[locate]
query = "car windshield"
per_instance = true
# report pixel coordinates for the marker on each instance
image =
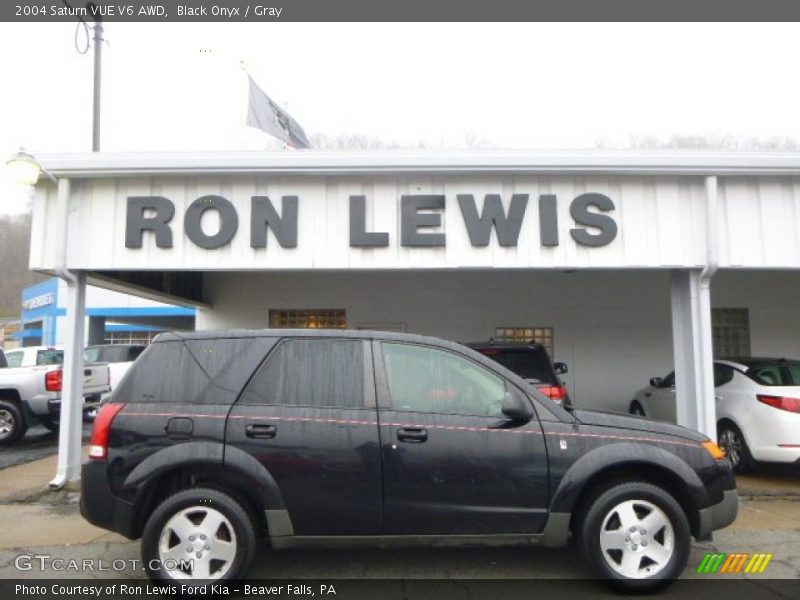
(525, 362)
(775, 374)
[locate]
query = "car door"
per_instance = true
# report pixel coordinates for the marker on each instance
(661, 401)
(453, 463)
(308, 415)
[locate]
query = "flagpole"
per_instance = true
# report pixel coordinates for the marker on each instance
(242, 105)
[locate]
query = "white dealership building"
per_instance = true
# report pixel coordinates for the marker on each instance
(624, 264)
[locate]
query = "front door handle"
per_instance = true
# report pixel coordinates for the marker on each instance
(260, 431)
(412, 435)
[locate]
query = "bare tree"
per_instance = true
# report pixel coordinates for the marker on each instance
(15, 238)
(704, 141)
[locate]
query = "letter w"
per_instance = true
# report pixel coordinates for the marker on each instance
(479, 227)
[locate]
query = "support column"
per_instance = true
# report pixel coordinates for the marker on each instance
(70, 428)
(97, 331)
(693, 350)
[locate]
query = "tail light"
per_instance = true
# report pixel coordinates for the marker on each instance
(781, 402)
(53, 380)
(554, 392)
(98, 445)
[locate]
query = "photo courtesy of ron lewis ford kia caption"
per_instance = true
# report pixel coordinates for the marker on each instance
(419, 214)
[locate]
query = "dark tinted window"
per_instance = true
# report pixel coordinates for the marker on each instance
(166, 373)
(528, 363)
(423, 379)
(198, 371)
(311, 373)
(784, 373)
(722, 374)
(668, 381)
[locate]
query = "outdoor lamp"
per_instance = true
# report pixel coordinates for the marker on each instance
(23, 169)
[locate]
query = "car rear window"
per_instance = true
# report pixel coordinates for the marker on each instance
(775, 374)
(50, 357)
(528, 363)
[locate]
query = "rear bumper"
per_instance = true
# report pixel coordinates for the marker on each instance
(100, 506)
(718, 515)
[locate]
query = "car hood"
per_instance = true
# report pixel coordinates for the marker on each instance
(609, 419)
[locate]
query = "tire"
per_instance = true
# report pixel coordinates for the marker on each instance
(178, 525)
(733, 444)
(50, 424)
(12, 423)
(636, 409)
(644, 562)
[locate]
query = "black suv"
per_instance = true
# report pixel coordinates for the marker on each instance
(215, 441)
(531, 362)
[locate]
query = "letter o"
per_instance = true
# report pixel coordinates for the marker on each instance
(228, 222)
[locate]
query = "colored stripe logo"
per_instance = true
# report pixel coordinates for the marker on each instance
(739, 562)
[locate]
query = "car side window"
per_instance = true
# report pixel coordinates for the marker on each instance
(722, 374)
(423, 379)
(668, 381)
(311, 372)
(14, 359)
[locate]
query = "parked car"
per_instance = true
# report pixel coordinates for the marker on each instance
(757, 406)
(119, 357)
(32, 395)
(306, 438)
(531, 362)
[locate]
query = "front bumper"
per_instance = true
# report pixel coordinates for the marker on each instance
(718, 515)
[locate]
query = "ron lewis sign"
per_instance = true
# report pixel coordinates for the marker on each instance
(420, 221)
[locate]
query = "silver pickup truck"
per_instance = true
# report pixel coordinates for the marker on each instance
(32, 394)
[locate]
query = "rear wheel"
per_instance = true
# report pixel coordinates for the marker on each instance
(199, 534)
(12, 423)
(732, 443)
(635, 536)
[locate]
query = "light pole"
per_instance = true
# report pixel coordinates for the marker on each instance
(24, 169)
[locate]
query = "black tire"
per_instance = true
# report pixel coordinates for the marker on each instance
(50, 424)
(733, 444)
(202, 499)
(602, 510)
(636, 409)
(12, 423)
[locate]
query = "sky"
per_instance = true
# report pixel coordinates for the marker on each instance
(517, 86)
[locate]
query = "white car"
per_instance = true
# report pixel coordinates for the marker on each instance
(757, 405)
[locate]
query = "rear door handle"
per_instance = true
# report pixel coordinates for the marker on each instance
(412, 435)
(261, 431)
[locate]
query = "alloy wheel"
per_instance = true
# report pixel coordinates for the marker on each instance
(731, 445)
(198, 542)
(637, 539)
(7, 424)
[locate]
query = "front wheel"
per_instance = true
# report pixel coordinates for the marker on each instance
(636, 409)
(635, 536)
(201, 535)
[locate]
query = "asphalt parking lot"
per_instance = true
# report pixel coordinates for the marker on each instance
(38, 443)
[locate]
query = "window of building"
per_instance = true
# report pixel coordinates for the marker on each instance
(730, 331)
(435, 381)
(311, 373)
(130, 337)
(314, 318)
(540, 335)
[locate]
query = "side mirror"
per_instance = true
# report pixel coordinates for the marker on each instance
(516, 406)
(656, 381)
(560, 368)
